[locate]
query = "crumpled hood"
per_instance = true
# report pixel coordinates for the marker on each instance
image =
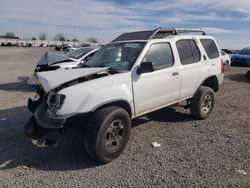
(50, 58)
(53, 79)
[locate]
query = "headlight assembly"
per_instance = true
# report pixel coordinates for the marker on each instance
(55, 102)
(59, 99)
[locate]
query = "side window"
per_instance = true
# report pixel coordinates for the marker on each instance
(160, 54)
(210, 48)
(188, 52)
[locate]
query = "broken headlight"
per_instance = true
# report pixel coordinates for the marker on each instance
(55, 102)
(59, 99)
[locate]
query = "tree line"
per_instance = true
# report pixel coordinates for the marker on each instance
(43, 36)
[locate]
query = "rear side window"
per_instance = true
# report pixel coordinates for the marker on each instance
(188, 51)
(210, 48)
(160, 54)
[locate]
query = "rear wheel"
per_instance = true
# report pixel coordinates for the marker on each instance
(108, 133)
(202, 103)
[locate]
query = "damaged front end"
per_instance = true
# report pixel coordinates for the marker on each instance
(44, 128)
(36, 100)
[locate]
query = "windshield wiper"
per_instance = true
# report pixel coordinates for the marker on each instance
(114, 71)
(109, 69)
(85, 66)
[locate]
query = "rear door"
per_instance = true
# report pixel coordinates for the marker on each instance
(193, 67)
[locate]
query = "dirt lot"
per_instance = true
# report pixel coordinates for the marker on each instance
(193, 153)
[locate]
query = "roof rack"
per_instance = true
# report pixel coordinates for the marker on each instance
(157, 33)
(161, 33)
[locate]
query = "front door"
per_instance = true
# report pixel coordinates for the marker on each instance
(156, 89)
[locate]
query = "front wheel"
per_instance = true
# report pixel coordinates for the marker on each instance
(202, 103)
(108, 133)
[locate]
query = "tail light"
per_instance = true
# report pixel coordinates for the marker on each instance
(222, 66)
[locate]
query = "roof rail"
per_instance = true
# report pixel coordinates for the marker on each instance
(179, 30)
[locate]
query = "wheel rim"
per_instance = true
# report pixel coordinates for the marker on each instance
(114, 135)
(206, 104)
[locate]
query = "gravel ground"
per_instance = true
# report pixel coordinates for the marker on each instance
(210, 153)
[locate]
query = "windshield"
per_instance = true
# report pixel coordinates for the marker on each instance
(117, 56)
(78, 53)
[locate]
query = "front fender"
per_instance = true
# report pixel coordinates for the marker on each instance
(87, 96)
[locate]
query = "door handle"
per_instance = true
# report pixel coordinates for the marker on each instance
(175, 73)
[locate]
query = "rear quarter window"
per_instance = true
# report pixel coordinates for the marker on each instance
(210, 48)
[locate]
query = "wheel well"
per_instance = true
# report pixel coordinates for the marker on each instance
(123, 104)
(212, 82)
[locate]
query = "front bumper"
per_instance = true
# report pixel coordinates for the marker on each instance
(46, 121)
(44, 130)
(41, 137)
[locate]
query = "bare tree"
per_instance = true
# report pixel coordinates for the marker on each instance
(59, 37)
(92, 40)
(42, 36)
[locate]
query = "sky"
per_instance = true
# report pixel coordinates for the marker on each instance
(228, 21)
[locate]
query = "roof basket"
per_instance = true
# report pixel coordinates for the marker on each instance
(157, 33)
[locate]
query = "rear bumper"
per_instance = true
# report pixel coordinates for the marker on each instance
(46, 121)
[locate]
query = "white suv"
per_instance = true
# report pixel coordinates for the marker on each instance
(135, 74)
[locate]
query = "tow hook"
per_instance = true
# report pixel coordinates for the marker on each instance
(41, 137)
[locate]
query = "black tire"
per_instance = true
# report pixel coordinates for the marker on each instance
(202, 103)
(103, 131)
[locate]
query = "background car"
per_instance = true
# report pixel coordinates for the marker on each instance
(53, 61)
(242, 59)
(63, 47)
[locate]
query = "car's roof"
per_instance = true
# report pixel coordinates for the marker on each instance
(158, 33)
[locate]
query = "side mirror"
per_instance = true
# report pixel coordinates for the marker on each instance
(145, 67)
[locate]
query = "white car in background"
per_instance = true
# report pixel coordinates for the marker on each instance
(54, 61)
(226, 58)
